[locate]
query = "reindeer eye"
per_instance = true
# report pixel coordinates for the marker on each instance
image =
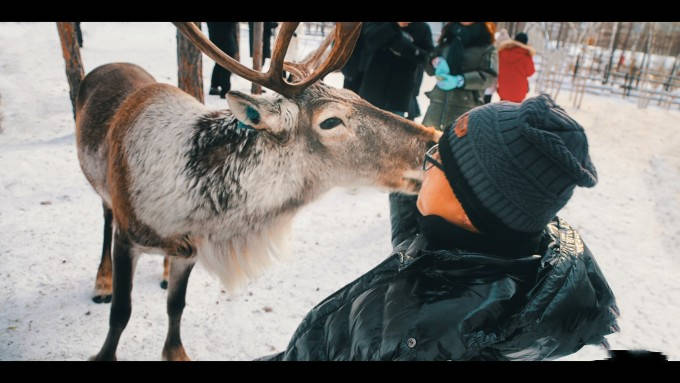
(330, 123)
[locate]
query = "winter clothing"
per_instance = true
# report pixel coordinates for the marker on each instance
(394, 56)
(414, 108)
(513, 166)
(446, 81)
(456, 37)
(425, 302)
(354, 68)
(223, 35)
(403, 217)
(515, 66)
(475, 60)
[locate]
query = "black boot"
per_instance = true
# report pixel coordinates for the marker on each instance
(215, 90)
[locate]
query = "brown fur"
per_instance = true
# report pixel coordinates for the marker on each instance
(141, 99)
(95, 108)
(118, 173)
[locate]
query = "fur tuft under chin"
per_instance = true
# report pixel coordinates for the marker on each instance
(239, 259)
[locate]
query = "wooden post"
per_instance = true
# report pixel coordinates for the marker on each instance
(71, 53)
(237, 32)
(189, 67)
(258, 29)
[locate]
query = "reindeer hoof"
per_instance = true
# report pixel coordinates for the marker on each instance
(100, 358)
(175, 354)
(102, 298)
(164, 284)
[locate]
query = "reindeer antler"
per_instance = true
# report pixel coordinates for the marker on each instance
(344, 37)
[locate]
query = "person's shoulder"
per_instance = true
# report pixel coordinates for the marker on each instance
(516, 46)
(421, 25)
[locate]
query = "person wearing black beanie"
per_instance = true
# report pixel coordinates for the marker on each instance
(522, 38)
(490, 273)
(515, 66)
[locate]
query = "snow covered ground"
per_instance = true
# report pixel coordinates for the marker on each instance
(51, 221)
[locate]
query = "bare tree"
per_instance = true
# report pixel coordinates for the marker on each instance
(74, 65)
(189, 67)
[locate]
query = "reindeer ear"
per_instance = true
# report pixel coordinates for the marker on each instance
(260, 112)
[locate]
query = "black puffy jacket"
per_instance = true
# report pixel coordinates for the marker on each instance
(423, 304)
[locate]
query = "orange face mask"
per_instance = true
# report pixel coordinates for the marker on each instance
(437, 198)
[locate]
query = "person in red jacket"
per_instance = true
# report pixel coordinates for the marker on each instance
(515, 66)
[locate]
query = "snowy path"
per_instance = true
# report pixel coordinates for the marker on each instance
(51, 222)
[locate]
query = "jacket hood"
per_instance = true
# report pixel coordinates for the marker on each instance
(508, 44)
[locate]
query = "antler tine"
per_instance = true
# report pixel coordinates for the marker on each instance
(345, 37)
(312, 59)
(272, 79)
(282, 41)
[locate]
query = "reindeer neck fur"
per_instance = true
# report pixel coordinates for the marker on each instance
(230, 189)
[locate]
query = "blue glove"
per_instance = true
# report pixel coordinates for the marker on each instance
(440, 66)
(445, 80)
(448, 82)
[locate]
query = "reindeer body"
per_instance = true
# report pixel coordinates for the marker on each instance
(178, 178)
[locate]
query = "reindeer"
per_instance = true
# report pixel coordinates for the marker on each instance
(221, 187)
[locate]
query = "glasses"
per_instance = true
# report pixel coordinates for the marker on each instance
(430, 161)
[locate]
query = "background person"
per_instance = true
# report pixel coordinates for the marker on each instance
(353, 71)
(515, 66)
(465, 63)
(223, 35)
(394, 53)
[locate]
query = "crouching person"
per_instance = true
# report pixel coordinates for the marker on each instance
(490, 273)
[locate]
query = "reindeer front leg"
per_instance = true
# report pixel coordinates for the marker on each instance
(102, 285)
(180, 269)
(124, 261)
(166, 272)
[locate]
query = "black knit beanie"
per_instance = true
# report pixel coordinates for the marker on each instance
(514, 166)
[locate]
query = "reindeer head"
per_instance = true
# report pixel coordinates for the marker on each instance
(347, 140)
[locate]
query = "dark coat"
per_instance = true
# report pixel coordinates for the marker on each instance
(425, 303)
(223, 34)
(392, 62)
(354, 68)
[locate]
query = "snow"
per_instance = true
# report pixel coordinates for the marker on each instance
(51, 221)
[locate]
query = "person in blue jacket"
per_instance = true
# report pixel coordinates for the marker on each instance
(486, 270)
